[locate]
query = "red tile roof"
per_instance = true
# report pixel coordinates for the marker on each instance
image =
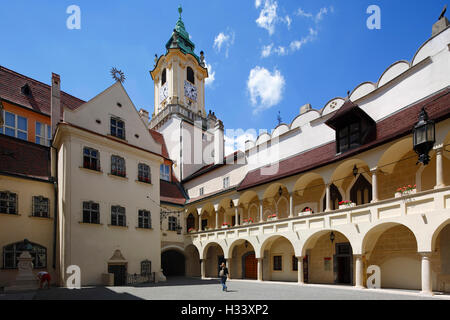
(398, 125)
(11, 83)
(171, 192)
(19, 157)
(159, 138)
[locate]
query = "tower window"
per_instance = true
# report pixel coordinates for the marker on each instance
(190, 75)
(163, 77)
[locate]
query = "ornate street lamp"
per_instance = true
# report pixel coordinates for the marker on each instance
(423, 137)
(355, 171)
(332, 236)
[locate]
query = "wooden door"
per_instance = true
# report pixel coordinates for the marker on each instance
(251, 267)
(120, 274)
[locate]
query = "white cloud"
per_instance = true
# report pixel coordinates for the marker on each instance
(224, 40)
(265, 88)
(302, 13)
(267, 50)
(297, 44)
(268, 16)
(211, 75)
(318, 16)
(288, 21)
(257, 3)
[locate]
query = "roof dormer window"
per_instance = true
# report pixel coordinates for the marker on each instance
(353, 127)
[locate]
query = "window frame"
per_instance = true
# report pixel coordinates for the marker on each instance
(16, 126)
(91, 211)
(277, 264)
(144, 173)
(91, 159)
(37, 203)
(144, 219)
(116, 128)
(16, 252)
(116, 216)
(163, 175)
(190, 72)
(346, 133)
(227, 184)
(47, 133)
(118, 166)
(172, 223)
(8, 200)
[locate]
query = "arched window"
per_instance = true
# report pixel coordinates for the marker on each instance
(335, 198)
(12, 252)
(163, 77)
(190, 75)
(190, 222)
(361, 192)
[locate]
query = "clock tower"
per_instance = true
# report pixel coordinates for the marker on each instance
(179, 106)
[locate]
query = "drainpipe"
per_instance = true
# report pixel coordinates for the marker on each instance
(55, 209)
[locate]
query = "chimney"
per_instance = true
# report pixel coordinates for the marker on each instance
(441, 24)
(219, 142)
(55, 102)
(144, 116)
(305, 108)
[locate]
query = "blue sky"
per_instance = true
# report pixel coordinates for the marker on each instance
(265, 56)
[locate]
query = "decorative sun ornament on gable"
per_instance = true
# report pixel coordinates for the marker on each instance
(117, 75)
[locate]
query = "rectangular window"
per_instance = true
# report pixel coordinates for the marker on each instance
(8, 202)
(277, 263)
(144, 173)
(349, 137)
(172, 224)
(294, 263)
(117, 128)
(43, 134)
(226, 182)
(118, 216)
(91, 159)
(41, 207)
(15, 126)
(202, 191)
(164, 172)
(144, 219)
(118, 166)
(91, 212)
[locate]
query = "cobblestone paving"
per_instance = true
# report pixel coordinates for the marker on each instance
(196, 289)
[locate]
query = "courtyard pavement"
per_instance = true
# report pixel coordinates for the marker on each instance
(180, 288)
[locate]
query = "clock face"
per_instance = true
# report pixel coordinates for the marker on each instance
(190, 91)
(163, 93)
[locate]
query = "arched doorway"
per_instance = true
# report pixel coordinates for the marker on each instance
(173, 263)
(250, 268)
(330, 258)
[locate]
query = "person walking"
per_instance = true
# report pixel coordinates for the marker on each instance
(223, 274)
(44, 278)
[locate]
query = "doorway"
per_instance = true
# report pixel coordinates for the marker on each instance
(173, 263)
(343, 264)
(120, 273)
(250, 266)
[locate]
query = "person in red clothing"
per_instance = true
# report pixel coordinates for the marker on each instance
(44, 277)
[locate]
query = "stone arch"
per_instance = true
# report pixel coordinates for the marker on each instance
(220, 244)
(192, 264)
(394, 248)
(270, 239)
(436, 233)
(238, 251)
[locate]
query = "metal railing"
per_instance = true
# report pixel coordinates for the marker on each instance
(133, 279)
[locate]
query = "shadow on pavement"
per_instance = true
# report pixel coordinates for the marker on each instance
(179, 281)
(94, 293)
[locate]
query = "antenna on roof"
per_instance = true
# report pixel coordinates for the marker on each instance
(279, 118)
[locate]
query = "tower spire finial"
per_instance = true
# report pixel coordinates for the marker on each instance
(180, 10)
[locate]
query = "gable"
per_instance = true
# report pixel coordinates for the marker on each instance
(95, 115)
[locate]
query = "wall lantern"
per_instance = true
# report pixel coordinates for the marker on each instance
(280, 191)
(246, 244)
(231, 203)
(355, 171)
(423, 137)
(332, 237)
